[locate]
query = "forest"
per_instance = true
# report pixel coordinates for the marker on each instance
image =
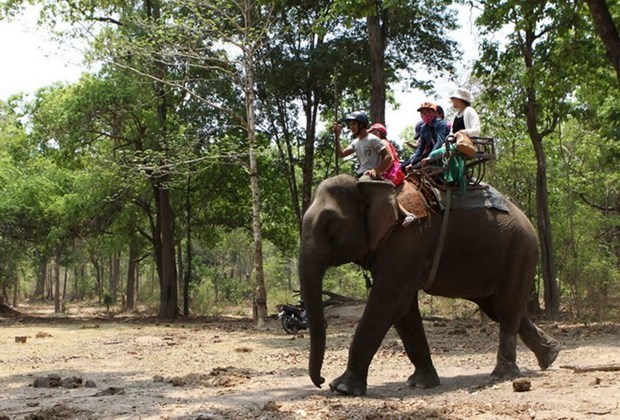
(174, 178)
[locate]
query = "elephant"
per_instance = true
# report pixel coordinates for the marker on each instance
(488, 257)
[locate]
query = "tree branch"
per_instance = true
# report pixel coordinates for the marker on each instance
(605, 209)
(602, 368)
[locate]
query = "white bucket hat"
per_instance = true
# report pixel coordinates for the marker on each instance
(462, 94)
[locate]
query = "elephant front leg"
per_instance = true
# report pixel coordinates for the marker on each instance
(351, 382)
(372, 328)
(366, 342)
(411, 331)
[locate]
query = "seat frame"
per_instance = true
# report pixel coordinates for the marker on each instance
(475, 165)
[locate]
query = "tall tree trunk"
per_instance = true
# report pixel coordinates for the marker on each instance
(163, 237)
(606, 30)
(114, 276)
(311, 100)
(376, 43)
(79, 283)
(39, 292)
(180, 270)
(156, 233)
(76, 279)
(552, 298)
(308, 161)
(187, 278)
(57, 281)
(260, 293)
(4, 296)
(64, 284)
(16, 285)
(50, 282)
(285, 149)
(168, 299)
(98, 277)
(131, 275)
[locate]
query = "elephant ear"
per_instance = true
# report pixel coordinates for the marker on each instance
(381, 209)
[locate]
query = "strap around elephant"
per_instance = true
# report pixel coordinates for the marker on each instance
(440, 243)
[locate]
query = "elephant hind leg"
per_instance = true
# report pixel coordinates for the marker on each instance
(506, 366)
(544, 347)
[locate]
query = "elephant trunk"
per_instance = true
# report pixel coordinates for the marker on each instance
(311, 284)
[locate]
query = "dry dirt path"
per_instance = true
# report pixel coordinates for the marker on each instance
(224, 368)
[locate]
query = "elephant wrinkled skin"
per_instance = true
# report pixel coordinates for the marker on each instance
(489, 258)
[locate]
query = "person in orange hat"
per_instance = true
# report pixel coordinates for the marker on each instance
(433, 133)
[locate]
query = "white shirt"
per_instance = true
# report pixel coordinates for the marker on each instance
(471, 121)
(368, 150)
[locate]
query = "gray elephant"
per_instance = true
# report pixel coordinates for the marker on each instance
(489, 257)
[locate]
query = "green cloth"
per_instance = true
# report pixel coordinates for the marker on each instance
(454, 163)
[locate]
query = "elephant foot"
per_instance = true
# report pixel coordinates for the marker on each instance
(423, 379)
(348, 384)
(550, 353)
(505, 370)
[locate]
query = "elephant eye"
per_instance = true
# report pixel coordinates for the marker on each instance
(331, 230)
(332, 222)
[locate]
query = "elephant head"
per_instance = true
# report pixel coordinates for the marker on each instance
(345, 222)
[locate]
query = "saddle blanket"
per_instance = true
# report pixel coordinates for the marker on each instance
(484, 197)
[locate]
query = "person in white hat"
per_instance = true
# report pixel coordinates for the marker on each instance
(466, 120)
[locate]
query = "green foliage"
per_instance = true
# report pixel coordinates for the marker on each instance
(534, 89)
(108, 300)
(223, 272)
(79, 162)
(346, 280)
(586, 238)
(416, 32)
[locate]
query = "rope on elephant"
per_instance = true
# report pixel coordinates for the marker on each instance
(441, 242)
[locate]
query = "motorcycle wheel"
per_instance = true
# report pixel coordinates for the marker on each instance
(289, 324)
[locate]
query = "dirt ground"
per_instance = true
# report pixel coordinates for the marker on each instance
(223, 368)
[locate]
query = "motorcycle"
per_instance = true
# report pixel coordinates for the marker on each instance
(292, 317)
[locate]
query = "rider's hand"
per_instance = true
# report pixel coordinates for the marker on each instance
(372, 173)
(337, 129)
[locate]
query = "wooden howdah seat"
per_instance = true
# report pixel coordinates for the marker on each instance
(474, 165)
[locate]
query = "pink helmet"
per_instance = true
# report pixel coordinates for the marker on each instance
(380, 128)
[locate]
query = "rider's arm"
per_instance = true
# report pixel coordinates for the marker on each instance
(472, 122)
(340, 152)
(385, 163)
(385, 159)
(442, 130)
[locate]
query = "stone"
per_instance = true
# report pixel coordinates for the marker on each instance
(521, 385)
